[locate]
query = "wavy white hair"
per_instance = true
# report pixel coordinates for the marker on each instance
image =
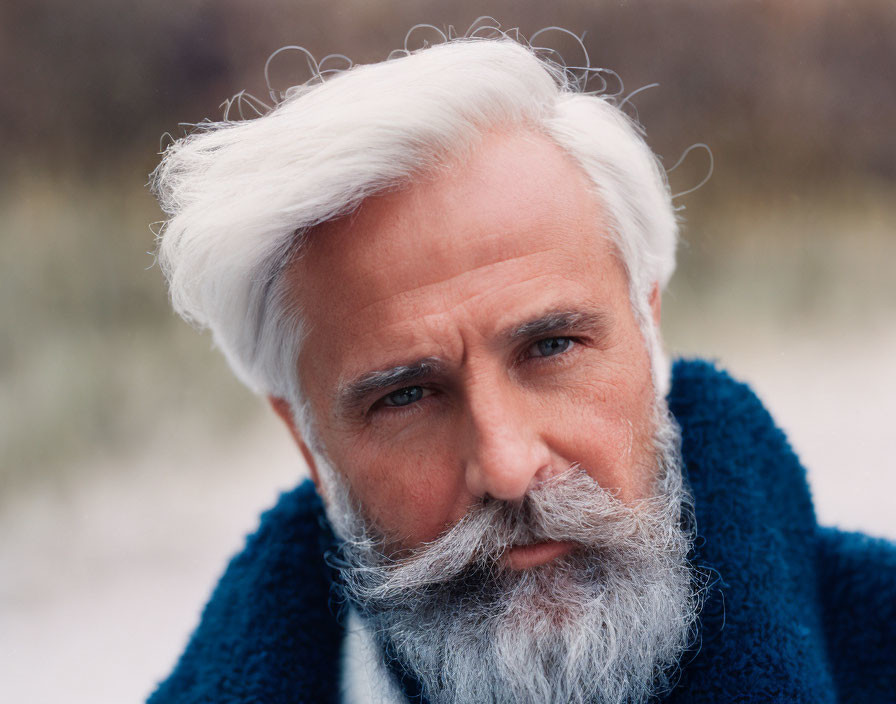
(242, 195)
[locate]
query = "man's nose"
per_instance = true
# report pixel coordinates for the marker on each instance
(505, 455)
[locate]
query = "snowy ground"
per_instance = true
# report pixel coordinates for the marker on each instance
(101, 583)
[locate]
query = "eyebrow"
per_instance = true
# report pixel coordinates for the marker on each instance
(352, 396)
(560, 321)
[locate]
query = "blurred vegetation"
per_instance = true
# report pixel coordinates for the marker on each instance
(804, 87)
(796, 100)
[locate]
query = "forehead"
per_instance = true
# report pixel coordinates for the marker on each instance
(516, 217)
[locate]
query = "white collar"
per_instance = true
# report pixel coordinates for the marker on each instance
(364, 678)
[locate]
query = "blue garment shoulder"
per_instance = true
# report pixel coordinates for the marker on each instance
(269, 634)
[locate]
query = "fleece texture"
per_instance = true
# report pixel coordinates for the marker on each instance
(793, 613)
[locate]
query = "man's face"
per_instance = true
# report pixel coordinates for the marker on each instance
(480, 386)
(472, 336)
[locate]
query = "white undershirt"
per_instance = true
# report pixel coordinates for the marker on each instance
(364, 678)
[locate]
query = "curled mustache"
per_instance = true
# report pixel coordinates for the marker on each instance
(569, 507)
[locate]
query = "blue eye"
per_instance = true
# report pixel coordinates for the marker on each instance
(403, 397)
(551, 346)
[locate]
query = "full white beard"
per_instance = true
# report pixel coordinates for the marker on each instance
(606, 623)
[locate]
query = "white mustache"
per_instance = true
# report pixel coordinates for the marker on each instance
(570, 507)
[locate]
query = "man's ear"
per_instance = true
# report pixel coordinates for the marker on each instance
(283, 409)
(656, 303)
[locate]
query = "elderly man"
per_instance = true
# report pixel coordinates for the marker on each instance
(445, 272)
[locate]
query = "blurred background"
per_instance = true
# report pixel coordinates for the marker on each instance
(133, 463)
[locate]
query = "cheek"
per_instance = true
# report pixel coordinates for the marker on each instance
(608, 430)
(410, 497)
(622, 458)
(606, 442)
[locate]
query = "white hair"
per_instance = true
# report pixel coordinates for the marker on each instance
(242, 195)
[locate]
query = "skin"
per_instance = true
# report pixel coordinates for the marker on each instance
(447, 270)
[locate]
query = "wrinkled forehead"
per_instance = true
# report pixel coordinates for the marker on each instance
(415, 267)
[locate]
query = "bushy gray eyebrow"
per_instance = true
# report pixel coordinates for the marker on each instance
(560, 321)
(353, 394)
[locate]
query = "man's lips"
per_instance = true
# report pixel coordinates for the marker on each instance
(522, 557)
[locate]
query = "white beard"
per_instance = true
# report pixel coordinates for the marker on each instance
(604, 623)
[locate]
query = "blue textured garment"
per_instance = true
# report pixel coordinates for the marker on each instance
(796, 613)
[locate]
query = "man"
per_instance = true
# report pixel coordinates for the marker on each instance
(445, 272)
